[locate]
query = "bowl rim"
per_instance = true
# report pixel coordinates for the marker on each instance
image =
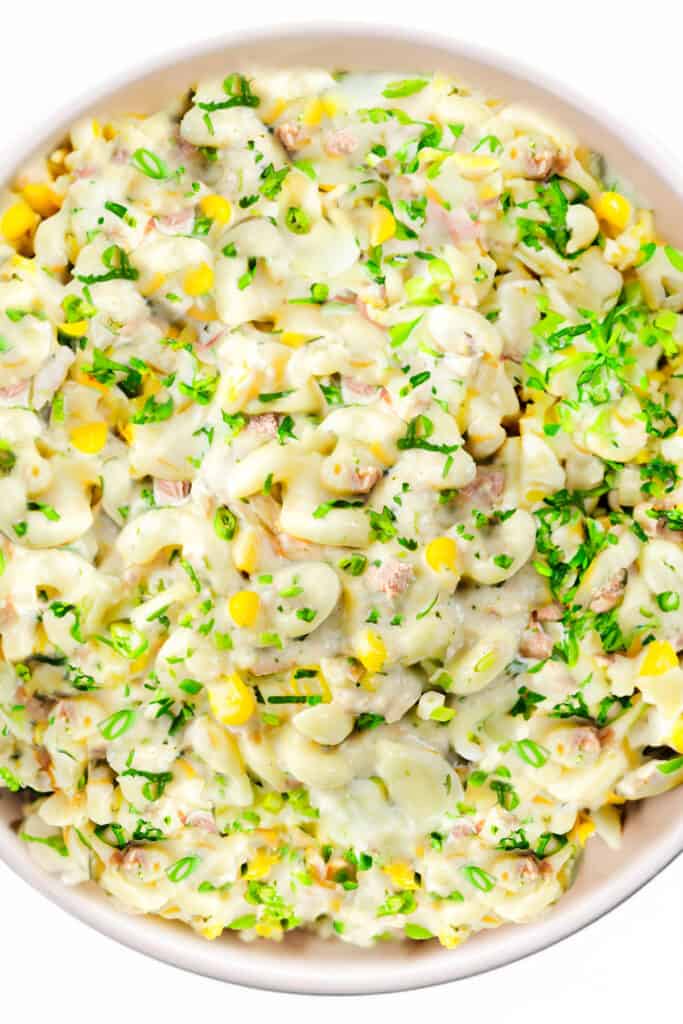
(111, 921)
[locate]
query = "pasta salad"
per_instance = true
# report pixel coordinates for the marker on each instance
(340, 507)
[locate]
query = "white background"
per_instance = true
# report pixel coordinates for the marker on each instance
(627, 966)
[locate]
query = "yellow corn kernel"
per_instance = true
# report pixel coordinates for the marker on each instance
(676, 737)
(382, 225)
(212, 930)
(371, 651)
(660, 657)
(271, 836)
(292, 339)
(614, 798)
(314, 112)
(96, 128)
(17, 220)
(208, 315)
(613, 208)
(186, 768)
(401, 874)
(42, 199)
(89, 438)
(582, 831)
(542, 800)
(199, 281)
(128, 433)
(268, 929)
(24, 263)
(72, 247)
(319, 108)
(153, 285)
(277, 108)
(232, 702)
(216, 207)
(109, 132)
(150, 386)
(449, 940)
(488, 192)
(188, 335)
(245, 550)
(381, 454)
(259, 866)
(56, 161)
(244, 607)
(442, 553)
(474, 165)
(79, 329)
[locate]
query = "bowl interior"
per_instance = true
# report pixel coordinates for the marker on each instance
(654, 829)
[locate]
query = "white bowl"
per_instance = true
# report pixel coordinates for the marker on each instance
(654, 829)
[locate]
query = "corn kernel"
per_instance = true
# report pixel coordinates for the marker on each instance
(676, 737)
(208, 315)
(199, 281)
(244, 607)
(72, 247)
(188, 335)
(128, 433)
(371, 651)
(89, 438)
(232, 702)
(382, 225)
(79, 329)
(381, 453)
(186, 768)
(17, 220)
(274, 112)
(449, 940)
(212, 930)
(660, 657)
(474, 165)
(582, 831)
(488, 192)
(313, 113)
(268, 929)
(216, 207)
(401, 874)
(613, 208)
(42, 199)
(259, 866)
(153, 285)
(319, 108)
(292, 339)
(442, 553)
(151, 385)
